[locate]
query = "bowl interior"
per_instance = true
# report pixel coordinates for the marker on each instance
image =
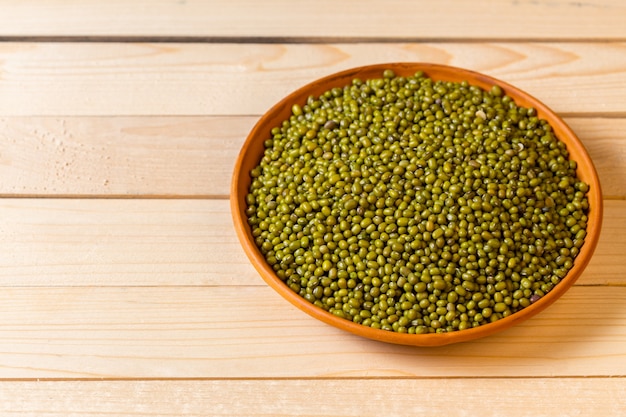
(253, 148)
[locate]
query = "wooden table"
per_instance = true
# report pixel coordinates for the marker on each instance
(124, 288)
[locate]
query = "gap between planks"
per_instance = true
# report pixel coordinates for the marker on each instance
(313, 378)
(288, 39)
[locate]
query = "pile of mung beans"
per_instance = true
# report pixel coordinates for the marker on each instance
(417, 206)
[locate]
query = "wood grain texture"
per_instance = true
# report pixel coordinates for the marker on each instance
(184, 156)
(85, 242)
(250, 332)
(567, 397)
(482, 19)
(606, 143)
(120, 156)
(246, 79)
(120, 242)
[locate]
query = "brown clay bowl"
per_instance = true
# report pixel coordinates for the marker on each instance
(252, 150)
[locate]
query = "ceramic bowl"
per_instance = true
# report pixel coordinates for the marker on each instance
(253, 148)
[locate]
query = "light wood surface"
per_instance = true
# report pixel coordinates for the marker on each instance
(226, 79)
(353, 397)
(172, 242)
(185, 157)
(250, 332)
(285, 19)
(123, 288)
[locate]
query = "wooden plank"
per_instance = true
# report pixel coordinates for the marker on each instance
(245, 79)
(482, 19)
(120, 156)
(249, 332)
(315, 398)
(605, 265)
(113, 242)
(172, 243)
(606, 143)
(184, 156)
